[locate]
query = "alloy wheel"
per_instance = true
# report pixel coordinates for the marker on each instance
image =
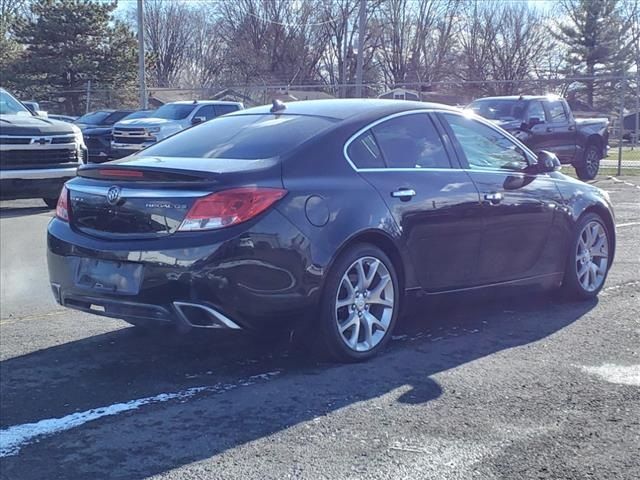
(592, 162)
(364, 304)
(592, 256)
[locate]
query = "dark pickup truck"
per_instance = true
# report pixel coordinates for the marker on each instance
(547, 123)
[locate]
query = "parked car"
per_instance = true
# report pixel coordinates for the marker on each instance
(62, 118)
(37, 155)
(131, 136)
(547, 123)
(97, 130)
(323, 216)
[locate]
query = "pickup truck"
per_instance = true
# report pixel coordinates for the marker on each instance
(547, 123)
(37, 155)
(131, 136)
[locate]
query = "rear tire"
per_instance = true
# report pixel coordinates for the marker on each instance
(588, 168)
(360, 305)
(51, 202)
(588, 258)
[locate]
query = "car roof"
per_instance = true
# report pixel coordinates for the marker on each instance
(345, 108)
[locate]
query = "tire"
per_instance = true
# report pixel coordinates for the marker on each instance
(588, 168)
(587, 248)
(51, 202)
(367, 312)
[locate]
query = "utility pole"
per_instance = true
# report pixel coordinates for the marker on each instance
(141, 74)
(362, 25)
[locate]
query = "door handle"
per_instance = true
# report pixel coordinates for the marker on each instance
(549, 129)
(404, 194)
(495, 197)
(571, 128)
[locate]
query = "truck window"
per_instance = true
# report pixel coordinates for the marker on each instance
(557, 113)
(536, 110)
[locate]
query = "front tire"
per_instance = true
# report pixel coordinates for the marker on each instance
(588, 261)
(360, 305)
(588, 168)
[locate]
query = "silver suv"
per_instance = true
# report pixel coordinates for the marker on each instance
(131, 136)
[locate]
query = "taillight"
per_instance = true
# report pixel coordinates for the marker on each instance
(229, 207)
(62, 208)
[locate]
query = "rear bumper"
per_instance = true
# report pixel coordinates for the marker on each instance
(249, 277)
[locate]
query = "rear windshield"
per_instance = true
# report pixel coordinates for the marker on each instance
(244, 137)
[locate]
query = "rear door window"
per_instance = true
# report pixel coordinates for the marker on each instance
(411, 141)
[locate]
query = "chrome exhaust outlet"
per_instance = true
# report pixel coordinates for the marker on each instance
(197, 315)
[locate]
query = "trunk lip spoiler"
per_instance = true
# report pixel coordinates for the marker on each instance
(137, 192)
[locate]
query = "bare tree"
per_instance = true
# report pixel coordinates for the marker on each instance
(415, 38)
(272, 41)
(168, 34)
(502, 44)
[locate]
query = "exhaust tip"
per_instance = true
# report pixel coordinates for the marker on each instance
(197, 315)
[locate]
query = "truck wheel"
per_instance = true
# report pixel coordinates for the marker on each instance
(51, 202)
(588, 168)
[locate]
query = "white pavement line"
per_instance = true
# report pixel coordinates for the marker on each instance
(621, 374)
(620, 225)
(12, 439)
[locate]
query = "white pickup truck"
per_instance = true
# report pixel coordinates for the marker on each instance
(131, 136)
(37, 155)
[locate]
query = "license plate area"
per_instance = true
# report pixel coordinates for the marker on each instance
(109, 276)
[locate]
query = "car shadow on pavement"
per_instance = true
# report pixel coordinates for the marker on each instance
(435, 337)
(13, 212)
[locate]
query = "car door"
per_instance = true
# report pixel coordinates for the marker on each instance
(436, 206)
(519, 206)
(560, 130)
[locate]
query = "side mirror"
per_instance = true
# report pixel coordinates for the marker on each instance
(548, 162)
(42, 114)
(197, 120)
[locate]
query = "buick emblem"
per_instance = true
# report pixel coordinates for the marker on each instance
(113, 195)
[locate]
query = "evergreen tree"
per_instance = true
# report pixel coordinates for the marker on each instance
(70, 42)
(598, 39)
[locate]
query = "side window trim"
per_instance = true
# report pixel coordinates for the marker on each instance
(460, 152)
(370, 127)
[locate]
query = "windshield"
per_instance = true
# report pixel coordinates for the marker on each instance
(174, 111)
(93, 118)
(245, 137)
(140, 114)
(10, 106)
(504, 110)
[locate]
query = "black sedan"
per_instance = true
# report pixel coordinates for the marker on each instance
(322, 216)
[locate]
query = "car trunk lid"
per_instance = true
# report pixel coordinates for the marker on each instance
(147, 200)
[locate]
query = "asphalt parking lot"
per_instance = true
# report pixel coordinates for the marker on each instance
(494, 386)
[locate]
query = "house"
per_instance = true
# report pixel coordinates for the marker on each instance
(401, 94)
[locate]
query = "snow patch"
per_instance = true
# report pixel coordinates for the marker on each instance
(622, 374)
(12, 439)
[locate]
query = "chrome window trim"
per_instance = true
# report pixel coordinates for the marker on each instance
(472, 116)
(136, 193)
